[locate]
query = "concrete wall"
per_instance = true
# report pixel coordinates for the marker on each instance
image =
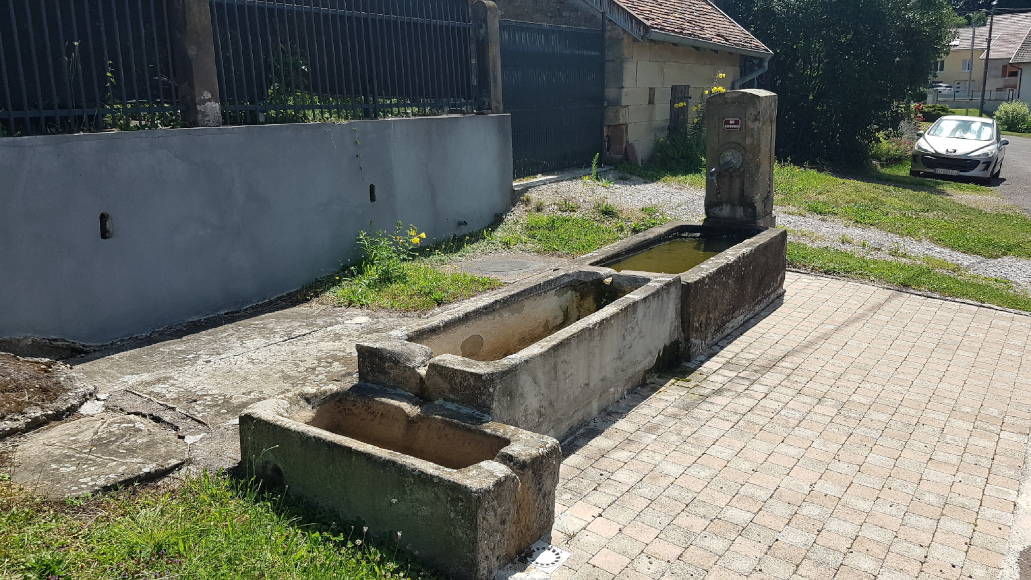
(206, 221)
(638, 77)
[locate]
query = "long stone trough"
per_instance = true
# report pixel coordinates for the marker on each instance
(547, 355)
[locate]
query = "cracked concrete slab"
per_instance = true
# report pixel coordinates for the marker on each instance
(95, 453)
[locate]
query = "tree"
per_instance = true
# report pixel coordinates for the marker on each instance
(840, 67)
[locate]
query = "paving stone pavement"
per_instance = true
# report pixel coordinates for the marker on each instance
(851, 431)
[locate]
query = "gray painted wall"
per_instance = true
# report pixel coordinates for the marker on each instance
(206, 221)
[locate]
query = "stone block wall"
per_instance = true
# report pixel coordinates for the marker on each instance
(639, 77)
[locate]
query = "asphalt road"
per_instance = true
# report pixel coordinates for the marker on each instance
(1015, 180)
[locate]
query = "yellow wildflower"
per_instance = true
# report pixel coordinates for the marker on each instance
(423, 235)
(415, 240)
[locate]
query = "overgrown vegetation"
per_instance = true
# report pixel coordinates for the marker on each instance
(209, 526)
(683, 149)
(391, 276)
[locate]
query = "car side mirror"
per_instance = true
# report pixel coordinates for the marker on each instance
(919, 133)
(1004, 142)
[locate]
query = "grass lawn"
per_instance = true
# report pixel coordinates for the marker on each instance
(908, 206)
(916, 276)
(210, 527)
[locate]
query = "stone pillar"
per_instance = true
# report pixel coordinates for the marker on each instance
(193, 51)
(487, 22)
(741, 128)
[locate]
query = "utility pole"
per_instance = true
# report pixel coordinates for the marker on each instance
(970, 71)
(987, 57)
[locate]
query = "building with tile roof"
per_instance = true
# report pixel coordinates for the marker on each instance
(962, 70)
(661, 58)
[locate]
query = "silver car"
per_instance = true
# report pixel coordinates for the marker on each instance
(959, 146)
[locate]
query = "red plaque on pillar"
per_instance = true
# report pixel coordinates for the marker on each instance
(732, 124)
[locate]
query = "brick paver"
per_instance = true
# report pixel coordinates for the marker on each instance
(851, 431)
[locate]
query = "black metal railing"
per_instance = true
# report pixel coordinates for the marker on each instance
(317, 60)
(84, 65)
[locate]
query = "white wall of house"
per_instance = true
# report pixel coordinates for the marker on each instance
(639, 77)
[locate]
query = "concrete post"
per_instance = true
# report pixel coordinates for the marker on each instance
(741, 128)
(193, 52)
(487, 21)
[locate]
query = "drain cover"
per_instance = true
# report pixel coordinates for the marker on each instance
(547, 558)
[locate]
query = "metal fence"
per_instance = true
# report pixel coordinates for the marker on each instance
(553, 82)
(315, 60)
(84, 65)
(92, 65)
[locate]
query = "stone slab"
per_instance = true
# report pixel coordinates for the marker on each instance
(95, 453)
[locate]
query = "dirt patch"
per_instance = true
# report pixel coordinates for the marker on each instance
(986, 203)
(1024, 564)
(28, 383)
(34, 391)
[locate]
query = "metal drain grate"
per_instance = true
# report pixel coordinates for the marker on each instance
(547, 558)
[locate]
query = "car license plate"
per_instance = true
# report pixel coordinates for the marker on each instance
(941, 171)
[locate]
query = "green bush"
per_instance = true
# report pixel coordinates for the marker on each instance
(932, 113)
(682, 151)
(1014, 116)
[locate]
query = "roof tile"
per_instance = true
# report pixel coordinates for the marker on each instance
(694, 19)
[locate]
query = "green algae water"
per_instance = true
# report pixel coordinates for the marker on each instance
(677, 255)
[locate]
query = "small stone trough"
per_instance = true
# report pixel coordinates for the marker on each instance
(546, 355)
(720, 293)
(465, 493)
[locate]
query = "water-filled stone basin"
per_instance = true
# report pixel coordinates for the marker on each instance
(729, 274)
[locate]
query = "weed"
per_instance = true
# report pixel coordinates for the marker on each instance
(897, 251)
(606, 209)
(538, 206)
(845, 239)
(387, 277)
(568, 206)
(593, 177)
(526, 199)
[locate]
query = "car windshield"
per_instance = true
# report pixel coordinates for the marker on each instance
(963, 129)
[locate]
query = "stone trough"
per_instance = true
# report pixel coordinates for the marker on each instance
(546, 355)
(742, 273)
(465, 493)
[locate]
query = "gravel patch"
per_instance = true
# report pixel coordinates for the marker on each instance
(688, 203)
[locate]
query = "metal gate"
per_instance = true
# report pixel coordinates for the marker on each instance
(553, 85)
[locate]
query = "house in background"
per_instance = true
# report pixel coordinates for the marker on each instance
(658, 53)
(964, 72)
(1022, 61)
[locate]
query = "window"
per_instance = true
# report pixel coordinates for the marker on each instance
(966, 65)
(941, 66)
